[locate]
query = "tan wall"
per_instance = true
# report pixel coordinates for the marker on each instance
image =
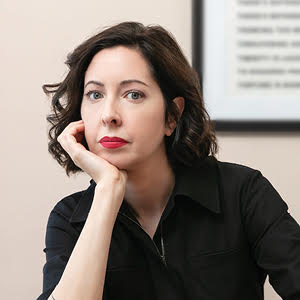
(35, 39)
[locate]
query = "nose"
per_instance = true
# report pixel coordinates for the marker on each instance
(110, 115)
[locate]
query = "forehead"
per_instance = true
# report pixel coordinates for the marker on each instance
(118, 63)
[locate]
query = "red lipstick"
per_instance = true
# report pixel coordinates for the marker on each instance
(112, 142)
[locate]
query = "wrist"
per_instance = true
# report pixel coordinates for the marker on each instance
(104, 204)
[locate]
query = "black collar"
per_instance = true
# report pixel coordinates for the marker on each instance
(200, 183)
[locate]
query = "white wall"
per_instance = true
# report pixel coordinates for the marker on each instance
(35, 39)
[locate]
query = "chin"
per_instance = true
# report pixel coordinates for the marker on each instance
(121, 164)
(122, 161)
(118, 164)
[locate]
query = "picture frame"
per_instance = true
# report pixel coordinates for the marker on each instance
(237, 98)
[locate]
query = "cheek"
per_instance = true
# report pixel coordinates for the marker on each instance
(89, 130)
(86, 111)
(149, 127)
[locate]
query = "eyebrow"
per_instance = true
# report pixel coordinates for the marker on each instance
(123, 82)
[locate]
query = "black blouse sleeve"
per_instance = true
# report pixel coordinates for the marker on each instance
(60, 240)
(59, 245)
(273, 234)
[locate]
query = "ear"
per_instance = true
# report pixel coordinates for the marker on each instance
(179, 101)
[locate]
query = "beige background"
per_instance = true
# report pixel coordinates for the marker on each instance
(35, 39)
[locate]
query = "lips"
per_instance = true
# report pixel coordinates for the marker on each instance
(112, 142)
(112, 139)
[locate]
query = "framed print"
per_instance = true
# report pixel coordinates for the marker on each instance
(247, 55)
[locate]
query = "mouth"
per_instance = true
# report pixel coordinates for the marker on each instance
(112, 142)
(112, 139)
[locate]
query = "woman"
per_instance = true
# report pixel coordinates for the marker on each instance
(162, 217)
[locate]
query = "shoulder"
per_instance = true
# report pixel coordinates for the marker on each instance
(236, 174)
(235, 169)
(66, 206)
(228, 172)
(239, 181)
(229, 176)
(249, 184)
(74, 207)
(242, 178)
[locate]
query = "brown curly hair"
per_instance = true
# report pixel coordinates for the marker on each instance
(194, 137)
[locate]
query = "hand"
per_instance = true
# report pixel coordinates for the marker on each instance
(97, 167)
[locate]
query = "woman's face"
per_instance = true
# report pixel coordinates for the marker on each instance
(121, 99)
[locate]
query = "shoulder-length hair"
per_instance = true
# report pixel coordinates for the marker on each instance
(194, 137)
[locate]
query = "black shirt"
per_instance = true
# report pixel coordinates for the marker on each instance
(224, 229)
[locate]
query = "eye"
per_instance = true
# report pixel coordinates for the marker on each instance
(96, 95)
(134, 95)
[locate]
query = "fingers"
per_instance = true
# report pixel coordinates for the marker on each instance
(72, 129)
(92, 164)
(67, 138)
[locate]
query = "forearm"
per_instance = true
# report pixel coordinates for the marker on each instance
(84, 275)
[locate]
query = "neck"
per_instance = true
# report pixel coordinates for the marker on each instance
(149, 187)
